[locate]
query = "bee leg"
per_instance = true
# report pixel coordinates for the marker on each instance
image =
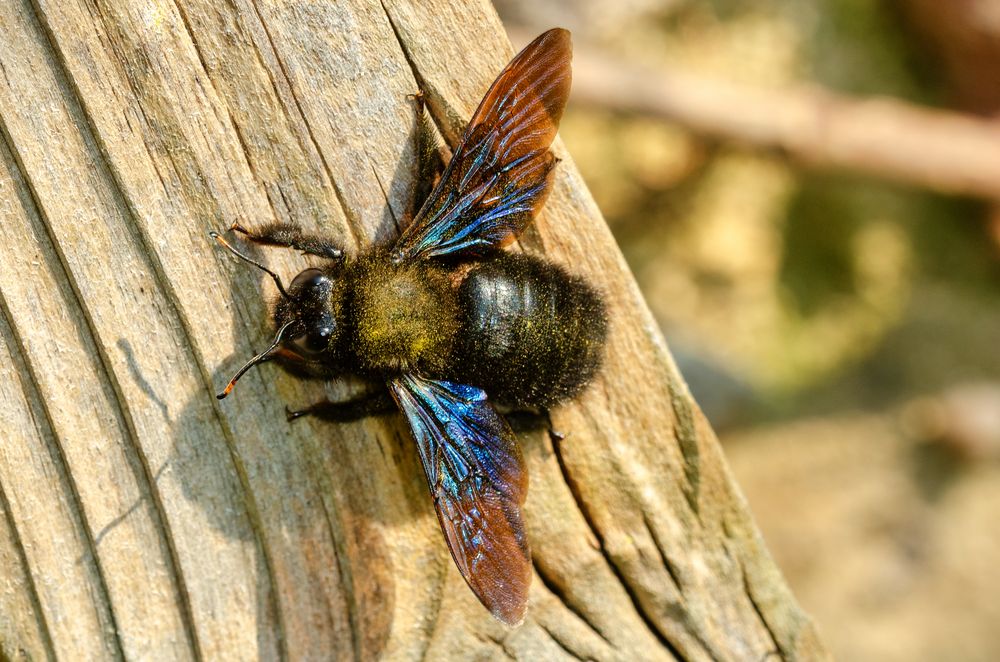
(532, 420)
(362, 406)
(555, 435)
(430, 159)
(286, 235)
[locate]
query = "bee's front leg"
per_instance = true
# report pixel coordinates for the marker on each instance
(287, 235)
(375, 403)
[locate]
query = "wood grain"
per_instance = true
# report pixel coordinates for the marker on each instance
(142, 519)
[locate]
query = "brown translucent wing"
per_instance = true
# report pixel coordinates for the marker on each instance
(501, 169)
(477, 477)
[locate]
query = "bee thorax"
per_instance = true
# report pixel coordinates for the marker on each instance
(405, 317)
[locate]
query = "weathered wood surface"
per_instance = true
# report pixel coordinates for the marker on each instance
(140, 518)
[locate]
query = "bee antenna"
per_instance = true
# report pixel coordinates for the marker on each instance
(246, 258)
(266, 355)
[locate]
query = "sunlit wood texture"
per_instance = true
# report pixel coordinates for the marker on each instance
(141, 518)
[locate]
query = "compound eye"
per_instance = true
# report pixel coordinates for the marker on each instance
(309, 279)
(314, 342)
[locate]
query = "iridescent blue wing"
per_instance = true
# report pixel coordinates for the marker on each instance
(500, 171)
(477, 478)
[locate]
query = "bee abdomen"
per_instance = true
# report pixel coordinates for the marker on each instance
(532, 334)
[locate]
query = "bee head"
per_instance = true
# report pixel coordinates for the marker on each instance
(308, 328)
(308, 318)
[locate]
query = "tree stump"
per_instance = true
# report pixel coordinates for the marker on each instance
(141, 518)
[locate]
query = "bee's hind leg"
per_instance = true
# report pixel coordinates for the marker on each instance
(286, 235)
(431, 155)
(532, 420)
(375, 403)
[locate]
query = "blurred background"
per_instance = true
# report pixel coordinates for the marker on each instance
(808, 192)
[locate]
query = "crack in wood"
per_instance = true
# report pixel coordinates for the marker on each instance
(90, 134)
(737, 560)
(678, 610)
(231, 121)
(432, 627)
(346, 579)
(498, 643)
(647, 619)
(354, 225)
(664, 559)
(403, 49)
(563, 645)
(22, 556)
(748, 589)
(422, 86)
(560, 595)
(687, 440)
(56, 452)
(306, 142)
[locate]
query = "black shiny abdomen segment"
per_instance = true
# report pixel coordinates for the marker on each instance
(532, 334)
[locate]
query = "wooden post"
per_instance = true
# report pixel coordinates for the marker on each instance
(142, 519)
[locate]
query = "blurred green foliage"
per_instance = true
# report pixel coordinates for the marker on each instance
(818, 290)
(826, 303)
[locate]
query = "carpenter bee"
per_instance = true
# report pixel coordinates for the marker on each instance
(445, 317)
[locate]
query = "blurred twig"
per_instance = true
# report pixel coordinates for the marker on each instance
(964, 419)
(964, 39)
(944, 151)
